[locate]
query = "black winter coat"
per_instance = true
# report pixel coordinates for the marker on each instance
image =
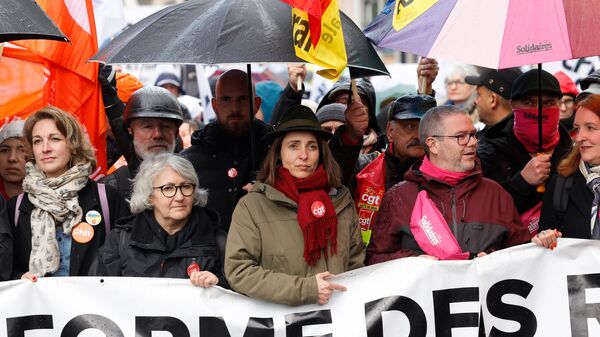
(574, 221)
(83, 255)
(503, 157)
(213, 154)
(140, 247)
(6, 243)
(120, 180)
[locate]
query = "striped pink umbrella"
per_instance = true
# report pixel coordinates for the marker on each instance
(494, 33)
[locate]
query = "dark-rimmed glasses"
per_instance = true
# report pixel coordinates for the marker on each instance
(169, 190)
(462, 138)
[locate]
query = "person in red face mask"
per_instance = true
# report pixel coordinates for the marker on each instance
(513, 159)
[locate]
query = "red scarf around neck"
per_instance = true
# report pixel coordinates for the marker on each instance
(316, 214)
(449, 177)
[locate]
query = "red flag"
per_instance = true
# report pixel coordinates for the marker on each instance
(57, 73)
(315, 10)
(312, 7)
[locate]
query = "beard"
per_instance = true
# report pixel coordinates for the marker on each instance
(142, 151)
(236, 130)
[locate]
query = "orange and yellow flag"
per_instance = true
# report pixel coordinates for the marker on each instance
(42, 72)
(328, 50)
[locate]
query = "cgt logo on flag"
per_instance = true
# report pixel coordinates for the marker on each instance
(329, 50)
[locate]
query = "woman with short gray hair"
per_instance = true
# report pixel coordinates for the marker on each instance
(142, 183)
(170, 233)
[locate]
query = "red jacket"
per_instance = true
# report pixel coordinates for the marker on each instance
(480, 213)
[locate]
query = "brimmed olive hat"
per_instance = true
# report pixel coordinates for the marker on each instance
(298, 118)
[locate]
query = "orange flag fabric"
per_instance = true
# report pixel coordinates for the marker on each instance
(41, 72)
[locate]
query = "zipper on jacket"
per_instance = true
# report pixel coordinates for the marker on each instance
(453, 204)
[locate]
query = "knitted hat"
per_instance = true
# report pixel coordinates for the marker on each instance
(567, 86)
(332, 112)
(12, 129)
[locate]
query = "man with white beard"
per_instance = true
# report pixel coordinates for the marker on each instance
(152, 118)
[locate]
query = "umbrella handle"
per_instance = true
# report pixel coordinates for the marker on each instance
(422, 85)
(355, 96)
(299, 83)
(541, 188)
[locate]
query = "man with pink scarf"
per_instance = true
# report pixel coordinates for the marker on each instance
(511, 156)
(445, 209)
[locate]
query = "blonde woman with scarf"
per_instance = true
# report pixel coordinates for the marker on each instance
(579, 176)
(60, 221)
(297, 227)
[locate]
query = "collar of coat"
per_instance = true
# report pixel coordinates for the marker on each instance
(143, 236)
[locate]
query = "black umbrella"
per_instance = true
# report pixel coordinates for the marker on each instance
(25, 20)
(233, 31)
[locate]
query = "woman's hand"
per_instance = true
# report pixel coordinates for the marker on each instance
(547, 238)
(326, 288)
(29, 276)
(204, 279)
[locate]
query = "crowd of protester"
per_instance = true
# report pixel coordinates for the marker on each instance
(278, 217)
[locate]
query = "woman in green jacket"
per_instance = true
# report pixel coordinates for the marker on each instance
(297, 227)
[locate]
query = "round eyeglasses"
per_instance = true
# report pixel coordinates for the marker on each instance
(169, 190)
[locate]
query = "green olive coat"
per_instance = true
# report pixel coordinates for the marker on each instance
(264, 258)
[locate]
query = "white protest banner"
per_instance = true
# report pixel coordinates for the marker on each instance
(522, 291)
(576, 69)
(205, 94)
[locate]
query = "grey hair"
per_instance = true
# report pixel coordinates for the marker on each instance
(431, 123)
(462, 70)
(150, 168)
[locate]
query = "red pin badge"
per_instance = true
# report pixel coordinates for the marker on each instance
(192, 268)
(232, 173)
(318, 209)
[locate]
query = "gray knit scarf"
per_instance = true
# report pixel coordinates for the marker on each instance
(56, 204)
(592, 178)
